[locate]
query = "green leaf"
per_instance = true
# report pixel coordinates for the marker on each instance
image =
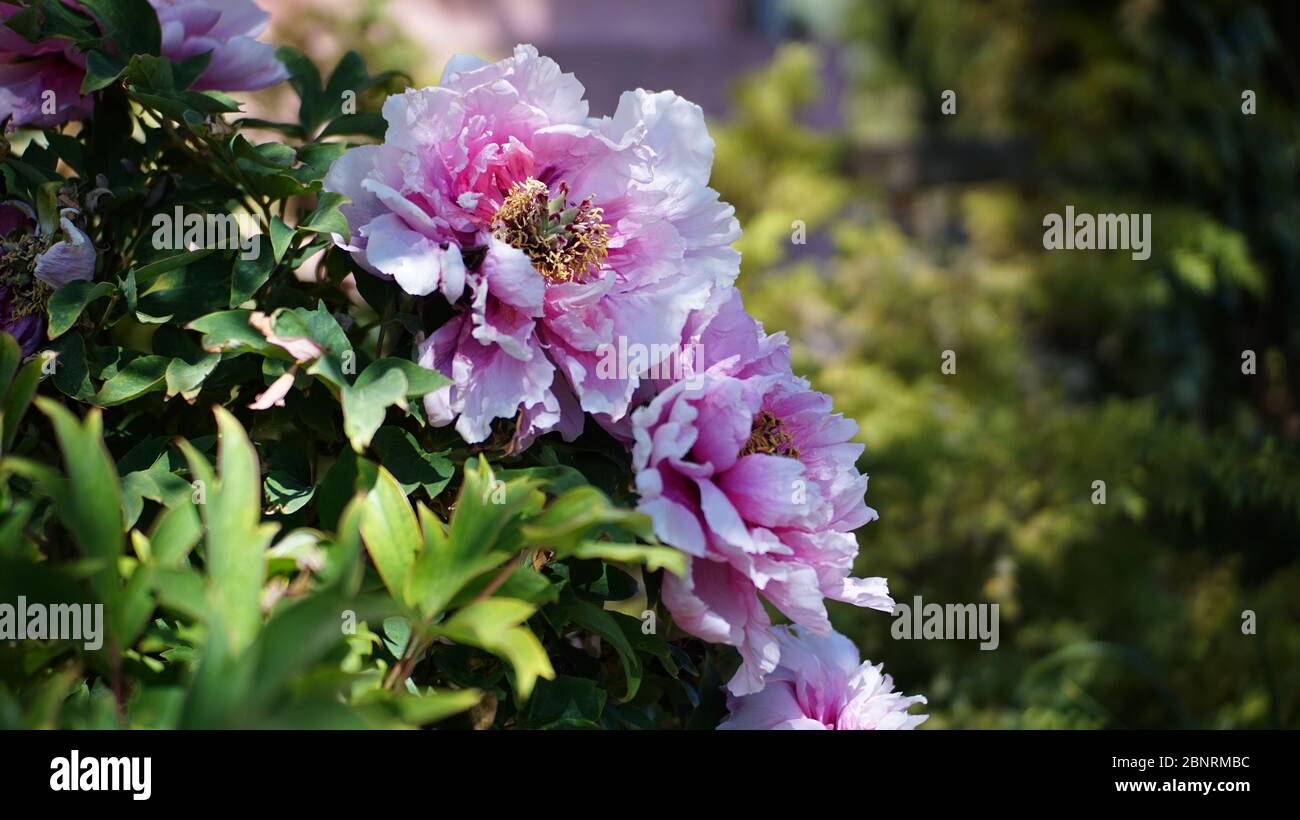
(145, 274)
(380, 386)
(592, 618)
(26, 22)
(346, 477)
(67, 303)
(181, 590)
(390, 532)
(420, 380)
(186, 378)
(399, 451)
(487, 511)
(439, 572)
(250, 274)
(344, 568)
(565, 703)
(186, 293)
(131, 25)
(229, 330)
(146, 71)
(349, 74)
(71, 374)
(281, 235)
(305, 79)
(140, 376)
(288, 485)
(554, 479)
(493, 624)
(365, 407)
(91, 507)
(429, 706)
(102, 70)
(327, 218)
(298, 636)
(397, 635)
(570, 518)
(365, 124)
(321, 326)
(288, 128)
(175, 533)
(653, 557)
(11, 355)
(236, 540)
(17, 398)
(274, 155)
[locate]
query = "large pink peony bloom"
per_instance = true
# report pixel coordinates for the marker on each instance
(819, 685)
(746, 469)
(555, 235)
(227, 28)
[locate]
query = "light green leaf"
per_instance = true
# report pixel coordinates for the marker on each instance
(229, 330)
(236, 540)
(186, 379)
(91, 507)
(493, 624)
(390, 532)
(175, 534)
(654, 557)
(439, 573)
(420, 380)
(571, 517)
(488, 511)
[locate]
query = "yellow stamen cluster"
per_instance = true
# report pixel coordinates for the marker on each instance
(565, 242)
(768, 435)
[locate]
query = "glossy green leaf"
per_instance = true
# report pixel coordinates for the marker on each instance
(67, 303)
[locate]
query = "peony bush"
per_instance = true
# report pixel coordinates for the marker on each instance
(424, 407)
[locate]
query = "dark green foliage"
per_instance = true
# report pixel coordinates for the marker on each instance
(331, 561)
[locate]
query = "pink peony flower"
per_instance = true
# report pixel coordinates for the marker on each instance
(552, 233)
(227, 28)
(34, 262)
(745, 468)
(28, 70)
(819, 685)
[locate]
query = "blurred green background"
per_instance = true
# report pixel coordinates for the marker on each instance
(924, 234)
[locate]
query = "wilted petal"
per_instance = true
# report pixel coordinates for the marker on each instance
(68, 260)
(273, 396)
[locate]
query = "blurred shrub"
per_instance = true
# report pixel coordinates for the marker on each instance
(1071, 367)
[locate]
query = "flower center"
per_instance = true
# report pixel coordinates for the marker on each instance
(564, 241)
(25, 293)
(769, 435)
